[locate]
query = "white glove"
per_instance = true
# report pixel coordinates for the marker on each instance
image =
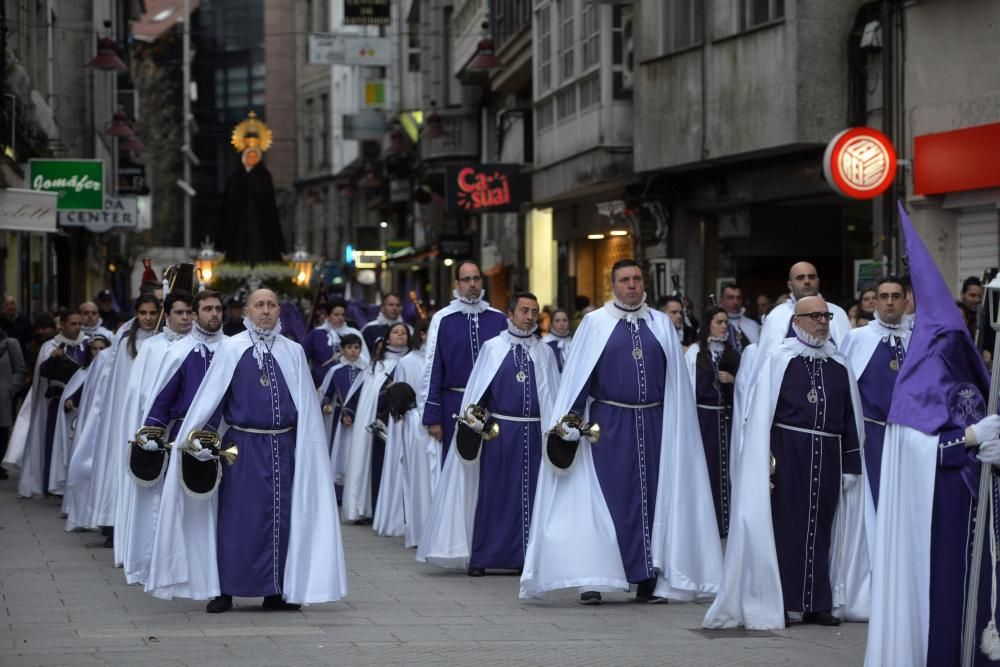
(203, 454)
(568, 434)
(987, 428)
(473, 422)
(150, 445)
(989, 452)
(848, 480)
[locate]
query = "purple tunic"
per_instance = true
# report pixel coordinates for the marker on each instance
(173, 401)
(627, 457)
(554, 344)
(255, 496)
(508, 467)
(715, 414)
(336, 393)
(807, 477)
(319, 351)
(460, 337)
(876, 384)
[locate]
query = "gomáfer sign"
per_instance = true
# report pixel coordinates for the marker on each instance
(79, 183)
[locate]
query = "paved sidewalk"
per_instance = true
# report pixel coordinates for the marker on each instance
(63, 603)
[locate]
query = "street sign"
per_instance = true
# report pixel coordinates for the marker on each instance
(365, 125)
(367, 12)
(79, 183)
(860, 163)
(118, 213)
(374, 94)
(329, 48)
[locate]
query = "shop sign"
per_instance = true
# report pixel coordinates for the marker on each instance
(366, 12)
(860, 163)
(956, 161)
(328, 48)
(118, 213)
(27, 210)
(454, 246)
(486, 188)
(79, 183)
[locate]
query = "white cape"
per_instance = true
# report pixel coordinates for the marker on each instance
(184, 562)
(751, 594)
(775, 327)
(338, 458)
(26, 445)
(136, 505)
(62, 440)
(447, 536)
(862, 342)
(421, 453)
(573, 540)
(357, 496)
(81, 463)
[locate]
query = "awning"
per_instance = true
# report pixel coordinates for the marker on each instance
(160, 17)
(28, 210)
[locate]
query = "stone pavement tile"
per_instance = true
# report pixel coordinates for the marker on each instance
(76, 642)
(48, 658)
(355, 633)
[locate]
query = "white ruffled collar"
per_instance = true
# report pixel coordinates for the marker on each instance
(809, 345)
(523, 337)
(59, 339)
(469, 306)
(621, 311)
(262, 339)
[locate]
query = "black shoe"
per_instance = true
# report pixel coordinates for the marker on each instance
(590, 598)
(644, 593)
(476, 572)
(219, 604)
(275, 603)
(109, 542)
(788, 621)
(3, 474)
(820, 618)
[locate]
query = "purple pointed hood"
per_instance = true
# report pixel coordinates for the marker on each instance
(943, 384)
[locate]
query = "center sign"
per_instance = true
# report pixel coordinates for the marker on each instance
(860, 163)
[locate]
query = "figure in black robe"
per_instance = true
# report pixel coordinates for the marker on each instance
(251, 230)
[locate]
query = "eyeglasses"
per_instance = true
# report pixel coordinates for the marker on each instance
(471, 279)
(817, 317)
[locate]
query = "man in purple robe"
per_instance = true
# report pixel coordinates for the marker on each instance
(876, 353)
(783, 544)
(323, 344)
(455, 337)
(389, 313)
(514, 381)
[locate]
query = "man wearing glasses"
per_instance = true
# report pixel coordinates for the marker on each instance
(454, 339)
(876, 353)
(786, 554)
(803, 281)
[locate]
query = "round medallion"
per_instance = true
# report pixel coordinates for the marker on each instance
(894, 365)
(264, 382)
(521, 376)
(637, 353)
(812, 396)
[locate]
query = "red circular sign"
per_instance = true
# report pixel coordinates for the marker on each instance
(860, 163)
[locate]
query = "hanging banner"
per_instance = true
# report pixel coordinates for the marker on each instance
(366, 12)
(486, 188)
(79, 183)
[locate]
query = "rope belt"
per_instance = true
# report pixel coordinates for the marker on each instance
(874, 421)
(263, 431)
(458, 389)
(629, 406)
(808, 430)
(512, 418)
(709, 407)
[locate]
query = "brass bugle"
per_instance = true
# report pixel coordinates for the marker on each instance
(478, 413)
(148, 433)
(591, 431)
(211, 440)
(773, 469)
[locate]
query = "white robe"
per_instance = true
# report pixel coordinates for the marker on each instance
(62, 440)
(745, 325)
(357, 497)
(775, 327)
(81, 463)
(134, 507)
(184, 561)
(573, 540)
(447, 537)
(26, 444)
(338, 450)
(751, 594)
(420, 452)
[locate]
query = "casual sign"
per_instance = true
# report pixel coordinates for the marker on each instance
(366, 12)
(79, 183)
(860, 163)
(118, 213)
(486, 188)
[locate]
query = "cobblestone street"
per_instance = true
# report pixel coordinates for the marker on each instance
(64, 603)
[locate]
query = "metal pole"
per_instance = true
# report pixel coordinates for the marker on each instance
(186, 113)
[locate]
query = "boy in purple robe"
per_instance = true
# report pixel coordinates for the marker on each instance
(455, 337)
(341, 378)
(323, 345)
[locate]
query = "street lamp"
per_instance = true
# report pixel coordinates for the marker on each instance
(206, 260)
(107, 59)
(120, 126)
(485, 59)
(434, 127)
(303, 262)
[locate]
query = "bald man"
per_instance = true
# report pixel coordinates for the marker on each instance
(90, 323)
(270, 529)
(784, 555)
(803, 281)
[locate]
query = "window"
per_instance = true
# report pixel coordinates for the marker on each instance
(566, 103)
(591, 36)
(545, 48)
(590, 92)
(681, 24)
(753, 13)
(543, 114)
(566, 40)
(310, 152)
(324, 132)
